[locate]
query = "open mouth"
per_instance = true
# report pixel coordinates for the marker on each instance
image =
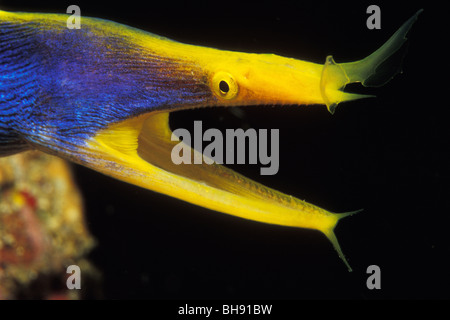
(142, 146)
(155, 146)
(139, 150)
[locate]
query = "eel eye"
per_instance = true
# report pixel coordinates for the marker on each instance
(224, 85)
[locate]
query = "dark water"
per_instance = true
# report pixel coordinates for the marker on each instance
(388, 155)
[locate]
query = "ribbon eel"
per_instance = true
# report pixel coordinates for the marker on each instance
(100, 96)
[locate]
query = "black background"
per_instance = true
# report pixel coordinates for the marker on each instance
(388, 155)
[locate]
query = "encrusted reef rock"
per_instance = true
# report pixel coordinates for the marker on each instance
(42, 229)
